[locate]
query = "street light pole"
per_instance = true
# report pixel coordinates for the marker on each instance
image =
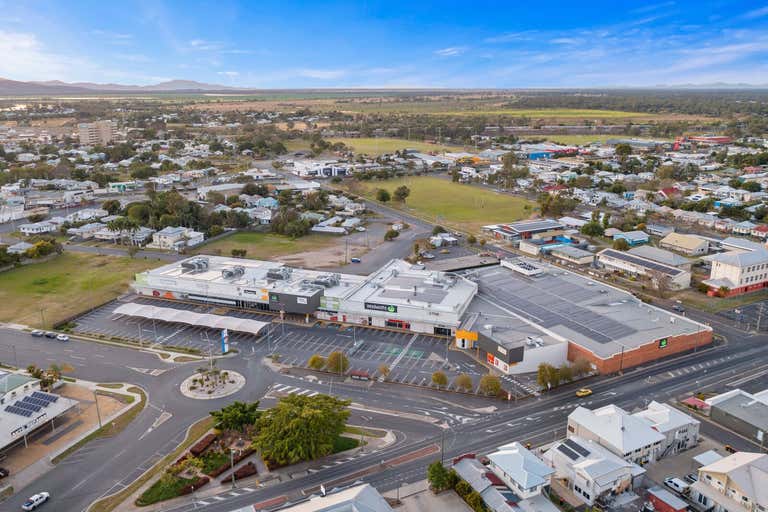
(98, 412)
(232, 465)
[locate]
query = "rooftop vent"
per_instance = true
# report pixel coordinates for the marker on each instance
(195, 265)
(233, 272)
(279, 273)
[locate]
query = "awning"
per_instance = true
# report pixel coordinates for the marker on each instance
(191, 318)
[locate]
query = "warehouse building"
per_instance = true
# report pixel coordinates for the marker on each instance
(676, 278)
(524, 229)
(742, 412)
(527, 312)
(686, 244)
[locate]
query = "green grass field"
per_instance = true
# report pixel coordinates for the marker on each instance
(381, 145)
(586, 139)
(64, 286)
(263, 246)
(463, 207)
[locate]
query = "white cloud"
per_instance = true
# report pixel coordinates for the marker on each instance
(25, 58)
(452, 51)
(566, 40)
(757, 13)
(509, 37)
(229, 74)
(204, 45)
(322, 74)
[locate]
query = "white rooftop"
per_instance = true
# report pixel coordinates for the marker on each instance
(663, 417)
(617, 428)
(521, 465)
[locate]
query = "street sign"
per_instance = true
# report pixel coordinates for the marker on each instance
(224, 341)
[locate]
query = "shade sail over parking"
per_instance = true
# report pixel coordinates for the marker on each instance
(191, 318)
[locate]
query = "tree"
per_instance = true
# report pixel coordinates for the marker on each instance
(437, 476)
(475, 501)
(751, 186)
(416, 249)
(401, 193)
(565, 372)
(112, 206)
(337, 362)
(300, 428)
(237, 416)
(316, 362)
(437, 230)
(215, 197)
(239, 253)
(253, 189)
(383, 196)
(439, 379)
(543, 374)
(391, 234)
(582, 366)
(592, 228)
(463, 381)
(384, 370)
(623, 150)
(620, 244)
(490, 385)
(463, 488)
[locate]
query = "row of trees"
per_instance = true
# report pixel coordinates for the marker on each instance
(549, 376)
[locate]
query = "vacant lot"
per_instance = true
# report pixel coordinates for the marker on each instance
(463, 207)
(264, 246)
(42, 294)
(381, 145)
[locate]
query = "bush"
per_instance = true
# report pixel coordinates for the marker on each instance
(316, 362)
(199, 447)
(243, 472)
(463, 489)
(190, 488)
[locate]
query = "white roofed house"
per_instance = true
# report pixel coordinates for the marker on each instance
(592, 473)
(176, 238)
(680, 430)
(737, 483)
(37, 228)
(524, 473)
(614, 428)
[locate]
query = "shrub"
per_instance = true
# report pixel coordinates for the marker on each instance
(190, 488)
(463, 489)
(199, 447)
(243, 472)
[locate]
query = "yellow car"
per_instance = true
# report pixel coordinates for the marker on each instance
(583, 392)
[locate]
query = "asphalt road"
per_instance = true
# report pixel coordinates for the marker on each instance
(536, 421)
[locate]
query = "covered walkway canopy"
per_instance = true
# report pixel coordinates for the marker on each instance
(191, 318)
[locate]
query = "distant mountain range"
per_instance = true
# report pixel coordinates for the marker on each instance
(56, 87)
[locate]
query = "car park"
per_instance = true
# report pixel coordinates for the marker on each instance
(37, 333)
(62, 337)
(35, 501)
(51, 335)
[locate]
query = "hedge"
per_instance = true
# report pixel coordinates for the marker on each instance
(199, 447)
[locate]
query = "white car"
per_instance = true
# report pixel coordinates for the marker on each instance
(62, 337)
(35, 501)
(360, 229)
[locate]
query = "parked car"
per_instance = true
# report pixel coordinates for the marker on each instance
(62, 337)
(730, 449)
(360, 228)
(678, 308)
(37, 333)
(676, 484)
(427, 255)
(355, 260)
(51, 335)
(691, 478)
(35, 501)
(4, 472)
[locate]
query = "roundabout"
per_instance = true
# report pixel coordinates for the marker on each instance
(212, 384)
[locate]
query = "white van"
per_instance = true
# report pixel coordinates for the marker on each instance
(677, 484)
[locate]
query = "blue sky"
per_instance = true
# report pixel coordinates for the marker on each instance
(285, 44)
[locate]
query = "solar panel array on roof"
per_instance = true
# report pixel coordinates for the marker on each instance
(28, 406)
(548, 307)
(36, 401)
(45, 396)
(568, 452)
(573, 445)
(619, 255)
(18, 410)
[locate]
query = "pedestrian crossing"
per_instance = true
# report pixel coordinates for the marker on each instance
(210, 500)
(525, 386)
(285, 389)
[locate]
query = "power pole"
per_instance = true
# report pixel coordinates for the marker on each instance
(759, 316)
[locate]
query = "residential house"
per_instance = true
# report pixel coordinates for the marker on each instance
(19, 248)
(86, 231)
(524, 473)
(680, 430)
(176, 238)
(737, 483)
(37, 228)
(614, 428)
(590, 471)
(633, 238)
(86, 214)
